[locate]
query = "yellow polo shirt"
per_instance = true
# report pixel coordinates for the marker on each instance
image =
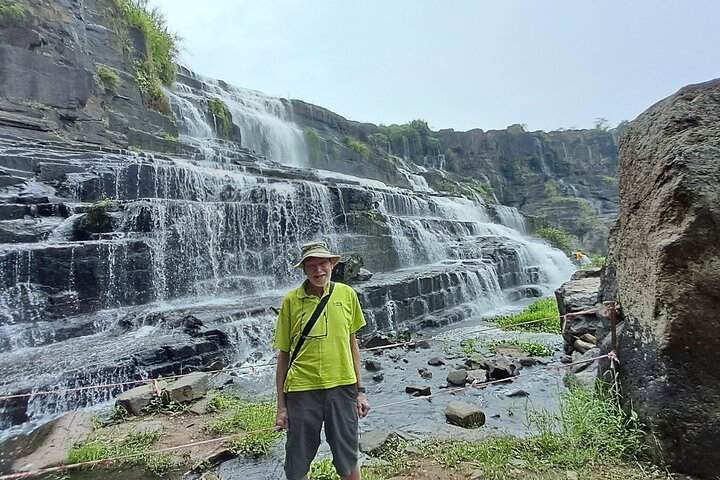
(325, 359)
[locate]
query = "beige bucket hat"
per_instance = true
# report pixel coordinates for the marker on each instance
(317, 250)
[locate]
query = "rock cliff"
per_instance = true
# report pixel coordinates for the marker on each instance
(665, 271)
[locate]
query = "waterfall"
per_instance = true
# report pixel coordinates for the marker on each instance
(265, 123)
(510, 217)
(540, 147)
(203, 246)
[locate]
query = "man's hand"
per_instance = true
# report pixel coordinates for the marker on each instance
(363, 405)
(281, 418)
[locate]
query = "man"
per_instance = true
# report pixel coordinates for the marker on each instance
(320, 382)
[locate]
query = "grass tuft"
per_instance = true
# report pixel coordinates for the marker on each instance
(244, 417)
(545, 308)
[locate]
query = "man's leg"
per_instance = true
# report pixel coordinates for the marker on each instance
(341, 430)
(354, 475)
(305, 417)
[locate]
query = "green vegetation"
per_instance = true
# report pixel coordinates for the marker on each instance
(468, 345)
(535, 349)
(557, 237)
(223, 118)
(162, 48)
(11, 11)
(545, 308)
(416, 133)
(244, 417)
(392, 453)
(357, 146)
(596, 261)
(132, 444)
(314, 144)
(109, 79)
(323, 470)
(163, 404)
(609, 179)
(97, 219)
(591, 432)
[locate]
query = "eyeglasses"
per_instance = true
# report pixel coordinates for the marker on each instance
(302, 321)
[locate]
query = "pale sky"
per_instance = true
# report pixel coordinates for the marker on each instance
(459, 64)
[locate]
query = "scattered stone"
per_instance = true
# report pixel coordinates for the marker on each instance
(372, 365)
(476, 475)
(457, 377)
(190, 387)
(528, 362)
(566, 359)
(136, 398)
(518, 393)
(510, 351)
(571, 475)
(582, 346)
(425, 373)
(476, 376)
(418, 390)
(477, 362)
(500, 369)
(589, 338)
(436, 362)
(378, 377)
(372, 442)
(464, 415)
(422, 344)
(377, 341)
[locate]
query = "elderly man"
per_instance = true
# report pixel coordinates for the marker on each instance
(318, 369)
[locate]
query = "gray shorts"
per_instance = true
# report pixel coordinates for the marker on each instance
(337, 408)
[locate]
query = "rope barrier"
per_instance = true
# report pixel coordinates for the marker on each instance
(62, 468)
(153, 381)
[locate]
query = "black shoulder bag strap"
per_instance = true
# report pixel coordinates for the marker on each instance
(311, 323)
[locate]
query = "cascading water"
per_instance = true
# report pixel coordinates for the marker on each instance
(202, 249)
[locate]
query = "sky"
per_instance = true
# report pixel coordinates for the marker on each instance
(460, 64)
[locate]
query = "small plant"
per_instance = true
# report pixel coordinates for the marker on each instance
(109, 78)
(392, 453)
(11, 11)
(323, 470)
(540, 309)
(609, 179)
(163, 404)
(223, 118)
(468, 345)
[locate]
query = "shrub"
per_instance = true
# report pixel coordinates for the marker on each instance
(108, 77)
(357, 146)
(223, 124)
(557, 237)
(11, 11)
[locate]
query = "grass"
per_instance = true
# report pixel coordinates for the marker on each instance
(545, 308)
(11, 11)
(162, 50)
(109, 79)
(132, 444)
(590, 432)
(357, 146)
(244, 417)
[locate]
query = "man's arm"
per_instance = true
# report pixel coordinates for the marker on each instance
(362, 404)
(283, 359)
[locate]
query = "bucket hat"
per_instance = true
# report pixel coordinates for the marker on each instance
(317, 250)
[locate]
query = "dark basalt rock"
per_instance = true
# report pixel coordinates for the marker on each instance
(664, 268)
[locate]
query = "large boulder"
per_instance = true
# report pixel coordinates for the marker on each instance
(665, 268)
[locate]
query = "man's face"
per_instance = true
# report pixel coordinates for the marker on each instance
(318, 270)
